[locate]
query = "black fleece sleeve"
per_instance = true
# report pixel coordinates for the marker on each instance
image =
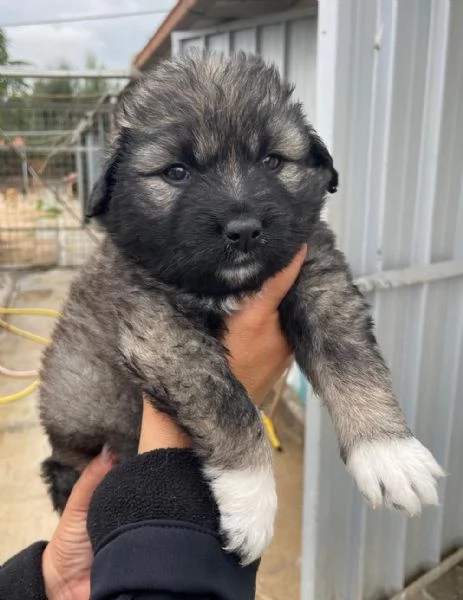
(154, 529)
(21, 576)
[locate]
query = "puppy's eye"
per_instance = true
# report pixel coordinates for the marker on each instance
(272, 162)
(176, 173)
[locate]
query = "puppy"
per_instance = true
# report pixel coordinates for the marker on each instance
(213, 182)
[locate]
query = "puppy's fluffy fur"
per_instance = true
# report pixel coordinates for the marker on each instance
(147, 313)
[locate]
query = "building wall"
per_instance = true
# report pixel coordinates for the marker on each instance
(390, 105)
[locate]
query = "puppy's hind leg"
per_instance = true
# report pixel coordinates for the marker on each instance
(60, 480)
(247, 500)
(228, 435)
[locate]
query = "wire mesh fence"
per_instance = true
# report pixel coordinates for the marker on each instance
(35, 231)
(46, 176)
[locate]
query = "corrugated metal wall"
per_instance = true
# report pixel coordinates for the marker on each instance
(389, 83)
(390, 91)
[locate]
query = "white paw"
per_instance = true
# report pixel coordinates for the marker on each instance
(247, 502)
(401, 471)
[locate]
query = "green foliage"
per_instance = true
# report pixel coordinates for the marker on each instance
(50, 212)
(56, 90)
(3, 48)
(93, 86)
(48, 104)
(9, 87)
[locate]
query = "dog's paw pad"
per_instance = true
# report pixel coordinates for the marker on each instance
(400, 472)
(247, 502)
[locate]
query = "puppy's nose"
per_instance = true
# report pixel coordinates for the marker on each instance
(244, 234)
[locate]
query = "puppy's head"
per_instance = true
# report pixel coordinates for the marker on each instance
(215, 177)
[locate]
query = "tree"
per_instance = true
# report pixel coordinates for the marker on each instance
(56, 90)
(92, 87)
(9, 87)
(65, 101)
(72, 90)
(3, 61)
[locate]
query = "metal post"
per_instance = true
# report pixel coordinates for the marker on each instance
(101, 135)
(80, 181)
(25, 173)
(14, 73)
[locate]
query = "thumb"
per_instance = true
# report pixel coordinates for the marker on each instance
(276, 288)
(90, 479)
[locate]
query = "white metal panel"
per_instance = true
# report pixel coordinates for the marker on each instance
(245, 39)
(272, 44)
(194, 42)
(390, 102)
(450, 160)
(301, 61)
(219, 42)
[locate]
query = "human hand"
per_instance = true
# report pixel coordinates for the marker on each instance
(67, 559)
(259, 351)
(259, 355)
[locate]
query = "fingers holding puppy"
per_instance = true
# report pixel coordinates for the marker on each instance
(258, 350)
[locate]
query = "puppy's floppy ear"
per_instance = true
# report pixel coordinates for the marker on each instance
(320, 158)
(101, 192)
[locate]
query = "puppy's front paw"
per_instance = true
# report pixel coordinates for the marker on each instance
(399, 470)
(247, 502)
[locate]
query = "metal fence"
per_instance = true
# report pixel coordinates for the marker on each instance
(46, 175)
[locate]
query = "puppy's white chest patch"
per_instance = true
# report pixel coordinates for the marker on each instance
(238, 275)
(230, 304)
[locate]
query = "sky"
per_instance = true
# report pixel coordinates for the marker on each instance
(115, 42)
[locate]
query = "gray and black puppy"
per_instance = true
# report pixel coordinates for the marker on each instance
(213, 182)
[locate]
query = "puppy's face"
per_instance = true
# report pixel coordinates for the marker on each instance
(215, 177)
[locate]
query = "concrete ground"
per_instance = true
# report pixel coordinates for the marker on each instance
(25, 511)
(448, 587)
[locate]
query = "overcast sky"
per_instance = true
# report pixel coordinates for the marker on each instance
(115, 42)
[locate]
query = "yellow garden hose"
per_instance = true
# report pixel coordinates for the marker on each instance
(23, 333)
(22, 394)
(45, 312)
(271, 434)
